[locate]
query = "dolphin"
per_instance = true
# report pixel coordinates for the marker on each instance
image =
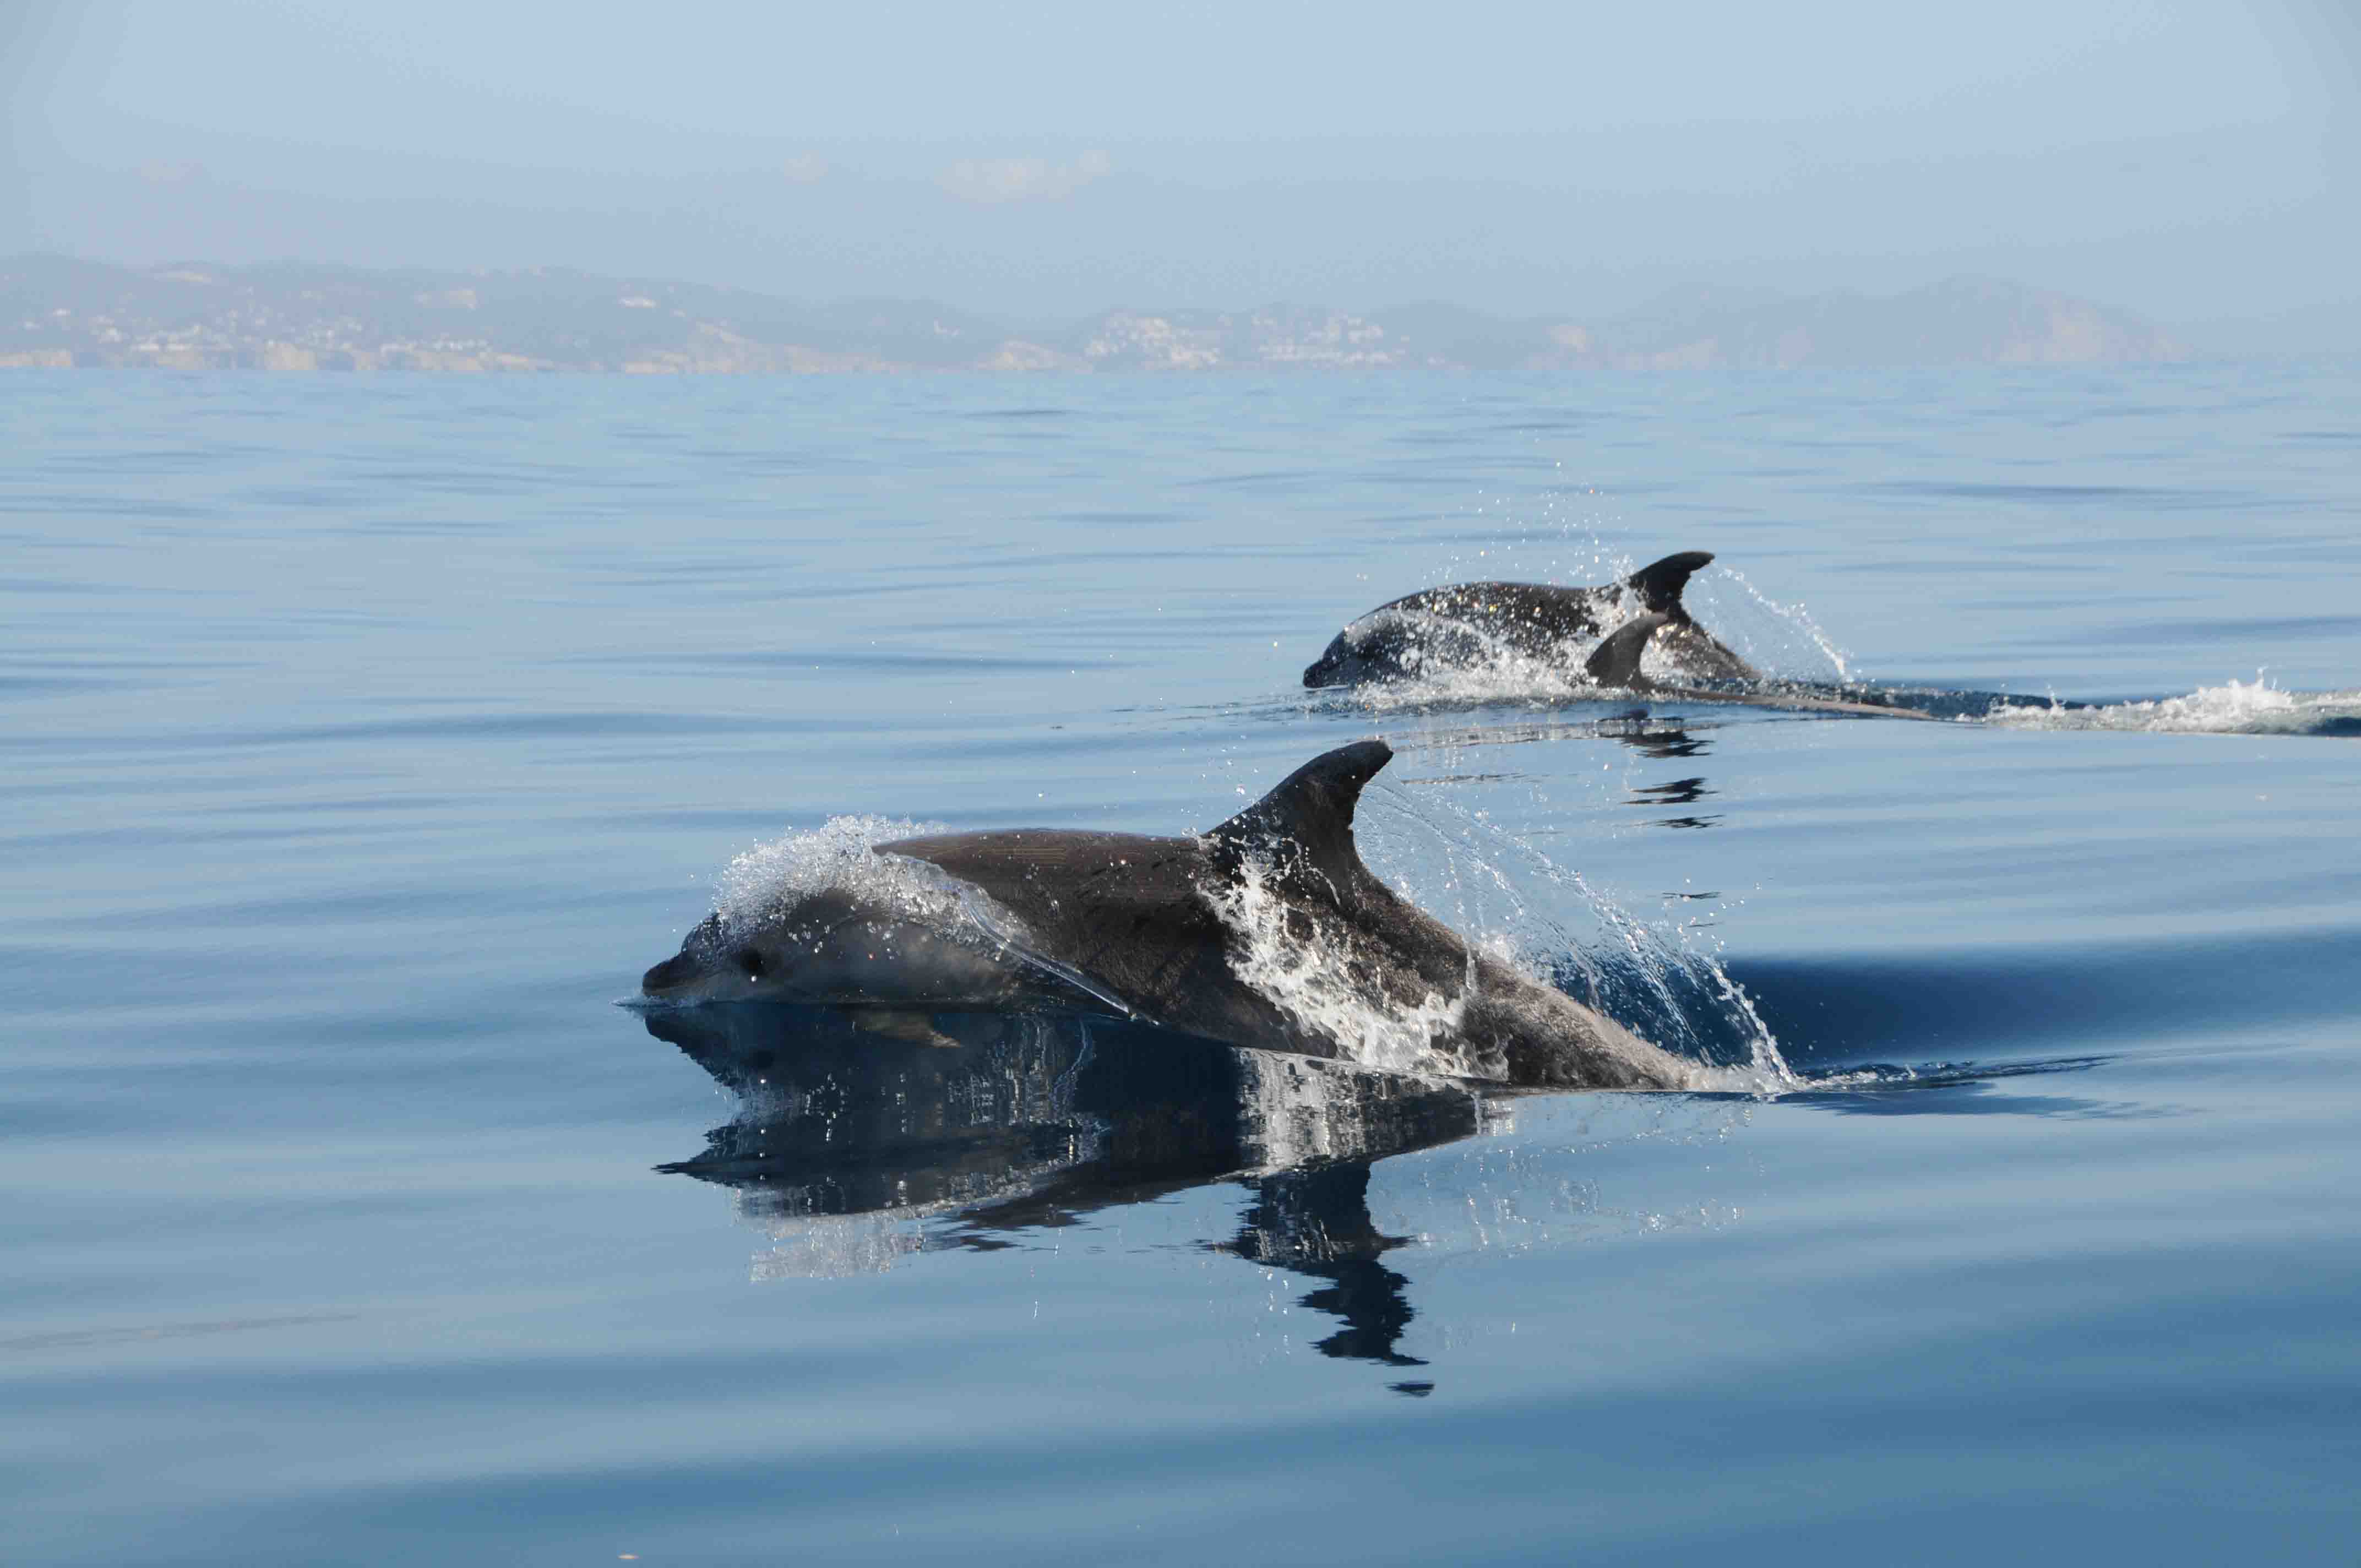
(1266, 932)
(1471, 624)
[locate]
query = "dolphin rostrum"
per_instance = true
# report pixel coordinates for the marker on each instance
(1266, 932)
(1468, 625)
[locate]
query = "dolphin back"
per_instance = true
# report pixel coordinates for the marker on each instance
(1127, 914)
(1470, 625)
(1165, 927)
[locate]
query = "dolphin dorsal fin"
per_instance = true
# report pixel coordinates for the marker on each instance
(1659, 585)
(1616, 661)
(1307, 817)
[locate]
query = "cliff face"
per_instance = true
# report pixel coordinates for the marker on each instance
(56, 313)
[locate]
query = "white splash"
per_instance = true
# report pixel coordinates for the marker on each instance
(837, 857)
(1511, 678)
(767, 882)
(2240, 708)
(1774, 649)
(1651, 982)
(1306, 967)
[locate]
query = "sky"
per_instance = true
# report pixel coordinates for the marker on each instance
(2199, 163)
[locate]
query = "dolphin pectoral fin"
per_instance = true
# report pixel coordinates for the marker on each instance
(899, 1023)
(1311, 812)
(1616, 661)
(1659, 584)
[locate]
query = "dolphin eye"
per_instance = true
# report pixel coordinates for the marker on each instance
(750, 962)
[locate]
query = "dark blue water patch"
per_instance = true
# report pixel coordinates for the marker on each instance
(57, 686)
(1124, 518)
(2162, 500)
(2073, 604)
(769, 820)
(104, 504)
(1954, 567)
(92, 1339)
(531, 726)
(53, 585)
(167, 835)
(1998, 1003)
(429, 528)
(2196, 630)
(878, 662)
(1278, 480)
(518, 727)
(79, 661)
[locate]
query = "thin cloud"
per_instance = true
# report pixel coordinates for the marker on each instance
(805, 169)
(990, 180)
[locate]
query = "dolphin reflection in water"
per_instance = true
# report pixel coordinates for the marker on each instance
(852, 1150)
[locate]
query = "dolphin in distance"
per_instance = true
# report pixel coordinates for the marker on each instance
(1469, 625)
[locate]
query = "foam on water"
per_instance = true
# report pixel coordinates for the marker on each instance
(2240, 708)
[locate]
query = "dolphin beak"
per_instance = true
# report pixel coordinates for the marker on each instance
(676, 970)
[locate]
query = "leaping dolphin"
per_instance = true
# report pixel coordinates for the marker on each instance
(1266, 932)
(1467, 625)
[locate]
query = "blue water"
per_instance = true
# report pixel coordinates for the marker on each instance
(364, 739)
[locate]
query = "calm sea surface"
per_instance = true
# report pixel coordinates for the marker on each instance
(361, 741)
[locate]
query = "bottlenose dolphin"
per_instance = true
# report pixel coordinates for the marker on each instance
(1266, 932)
(1468, 625)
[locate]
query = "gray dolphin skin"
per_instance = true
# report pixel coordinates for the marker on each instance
(1176, 931)
(1467, 625)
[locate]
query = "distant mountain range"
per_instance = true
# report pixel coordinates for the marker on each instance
(57, 312)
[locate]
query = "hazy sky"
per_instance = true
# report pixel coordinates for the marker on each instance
(2196, 162)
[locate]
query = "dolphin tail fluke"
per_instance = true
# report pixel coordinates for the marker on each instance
(1616, 661)
(1659, 586)
(1309, 813)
